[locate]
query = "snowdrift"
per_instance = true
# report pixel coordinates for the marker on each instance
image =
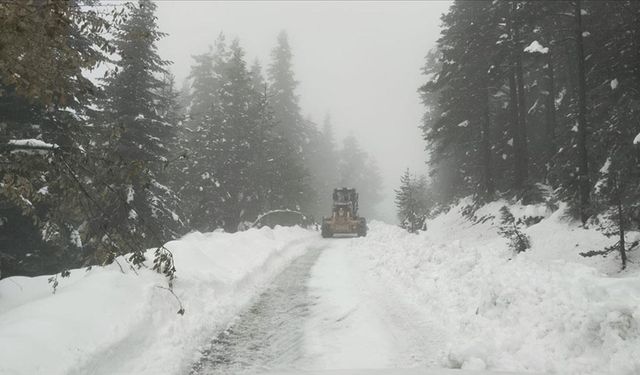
(545, 310)
(104, 319)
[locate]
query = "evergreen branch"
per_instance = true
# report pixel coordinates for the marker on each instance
(181, 311)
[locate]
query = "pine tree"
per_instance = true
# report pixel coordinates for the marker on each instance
(357, 170)
(510, 228)
(323, 162)
(583, 164)
(44, 95)
(241, 165)
(197, 134)
(561, 79)
(412, 201)
(233, 146)
(37, 62)
(139, 136)
(294, 130)
(282, 87)
(618, 193)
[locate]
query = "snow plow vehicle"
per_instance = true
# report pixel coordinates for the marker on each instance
(344, 216)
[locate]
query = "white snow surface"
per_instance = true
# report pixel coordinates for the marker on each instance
(536, 47)
(547, 310)
(32, 143)
(31, 146)
(106, 321)
(452, 297)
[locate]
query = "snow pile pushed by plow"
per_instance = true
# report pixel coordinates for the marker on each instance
(107, 321)
(544, 310)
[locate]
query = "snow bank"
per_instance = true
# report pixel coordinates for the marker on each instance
(103, 319)
(546, 310)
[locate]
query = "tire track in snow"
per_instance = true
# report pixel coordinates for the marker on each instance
(269, 334)
(360, 322)
(326, 311)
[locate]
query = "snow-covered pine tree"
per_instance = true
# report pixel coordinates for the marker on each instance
(493, 77)
(44, 96)
(282, 88)
(614, 78)
(239, 162)
(171, 176)
(200, 182)
(413, 202)
(618, 193)
(273, 159)
(232, 130)
(138, 136)
(461, 78)
(291, 125)
(511, 229)
(406, 203)
(562, 84)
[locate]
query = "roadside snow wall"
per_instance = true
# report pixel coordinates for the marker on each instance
(102, 319)
(545, 310)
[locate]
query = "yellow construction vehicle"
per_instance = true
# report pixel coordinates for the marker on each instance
(344, 216)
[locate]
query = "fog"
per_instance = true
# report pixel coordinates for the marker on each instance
(357, 61)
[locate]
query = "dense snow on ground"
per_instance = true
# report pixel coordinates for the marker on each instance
(454, 296)
(546, 310)
(106, 321)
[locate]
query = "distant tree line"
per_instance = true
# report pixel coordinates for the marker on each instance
(253, 151)
(524, 95)
(93, 170)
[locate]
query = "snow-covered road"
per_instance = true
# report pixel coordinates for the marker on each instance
(283, 299)
(324, 312)
(270, 332)
(358, 322)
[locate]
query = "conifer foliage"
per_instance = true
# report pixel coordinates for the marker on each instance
(240, 159)
(137, 132)
(44, 110)
(413, 202)
(85, 178)
(95, 173)
(523, 93)
(251, 151)
(511, 229)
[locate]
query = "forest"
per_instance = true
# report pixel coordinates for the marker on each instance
(537, 102)
(166, 168)
(102, 155)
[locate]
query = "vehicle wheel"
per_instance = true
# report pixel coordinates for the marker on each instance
(362, 228)
(325, 231)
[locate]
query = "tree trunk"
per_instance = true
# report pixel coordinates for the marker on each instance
(621, 223)
(550, 128)
(583, 164)
(516, 104)
(521, 142)
(518, 181)
(486, 148)
(522, 122)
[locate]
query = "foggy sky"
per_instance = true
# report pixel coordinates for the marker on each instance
(357, 61)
